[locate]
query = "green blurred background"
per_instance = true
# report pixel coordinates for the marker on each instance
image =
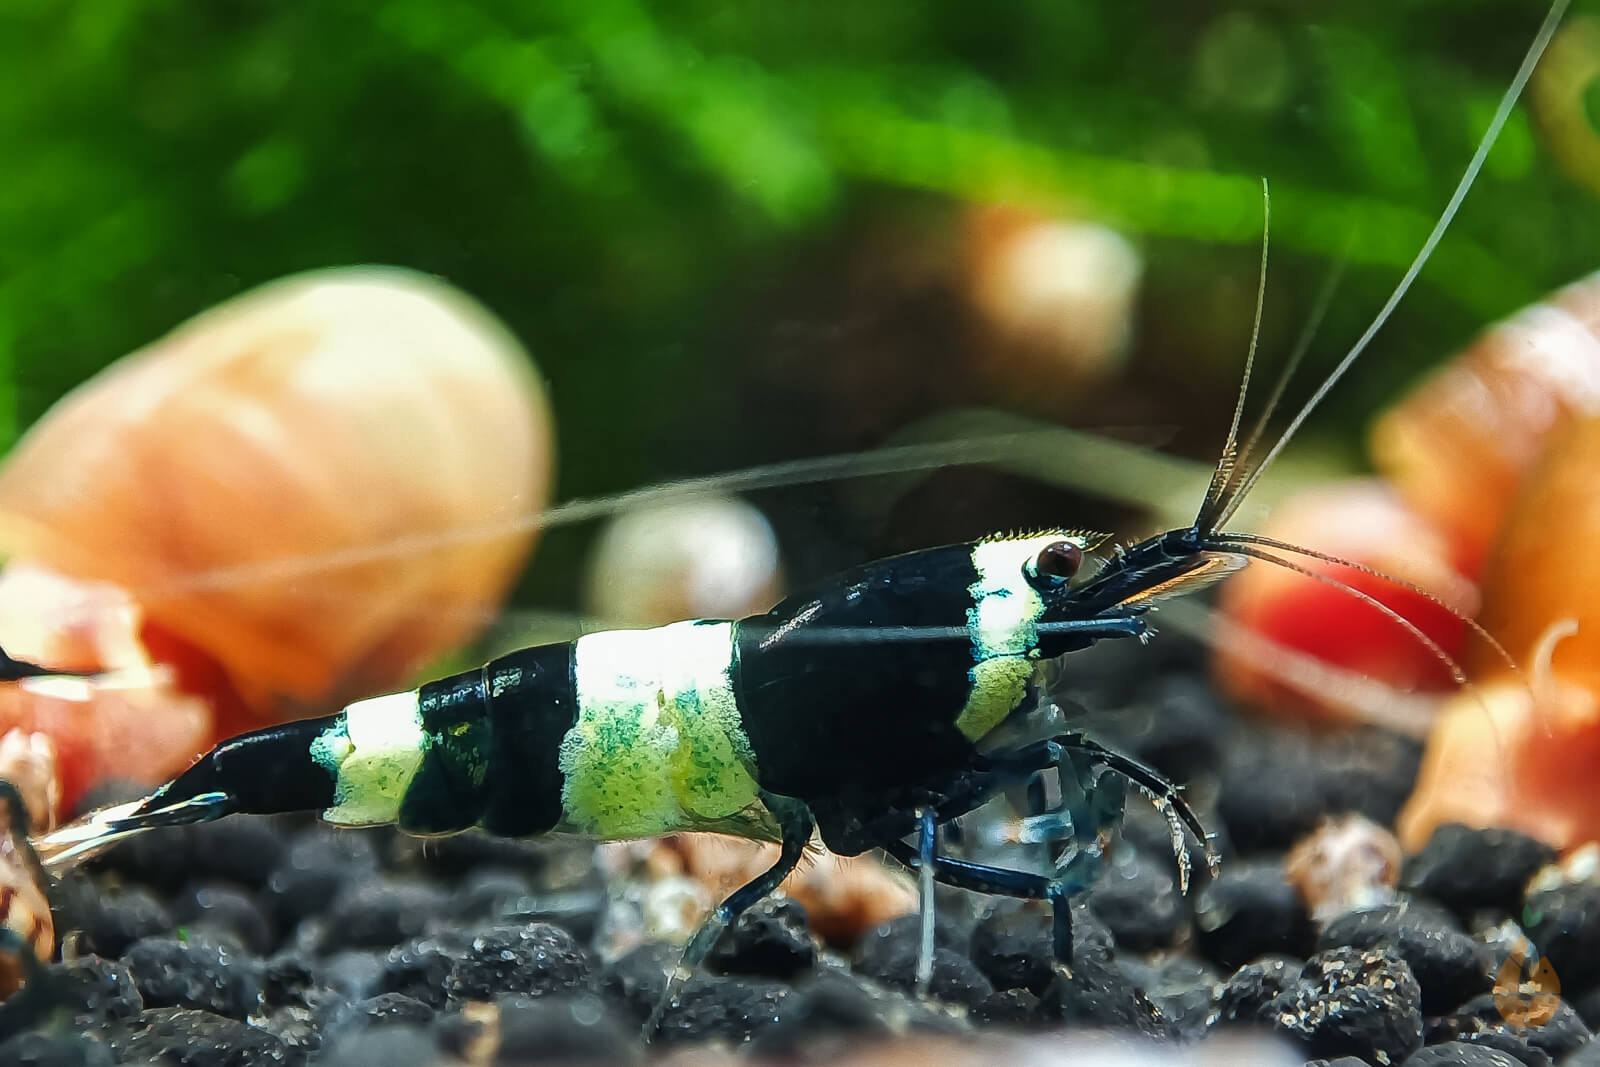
(693, 211)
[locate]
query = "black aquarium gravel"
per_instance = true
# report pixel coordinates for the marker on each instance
(276, 940)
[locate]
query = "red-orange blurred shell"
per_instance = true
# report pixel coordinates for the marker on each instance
(295, 499)
(1454, 453)
(1365, 522)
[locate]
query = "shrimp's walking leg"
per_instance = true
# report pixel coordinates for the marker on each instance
(796, 823)
(1090, 806)
(928, 843)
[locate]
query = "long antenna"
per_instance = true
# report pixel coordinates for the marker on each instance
(1457, 675)
(1234, 539)
(1502, 113)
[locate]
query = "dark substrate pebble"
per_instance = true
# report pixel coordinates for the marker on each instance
(191, 1038)
(1181, 987)
(275, 940)
(1587, 1005)
(54, 1050)
(1177, 724)
(574, 1029)
(835, 1011)
(1251, 910)
(382, 912)
(1460, 1054)
(1466, 869)
(1559, 1031)
(108, 922)
(386, 1009)
(1343, 1002)
(90, 993)
(889, 954)
(1096, 993)
(200, 974)
(312, 870)
(1007, 1007)
(1250, 993)
(1587, 1056)
(1137, 898)
(1516, 1046)
(1450, 966)
(708, 1006)
(1012, 946)
(224, 912)
(297, 1005)
(356, 973)
(771, 940)
(501, 894)
(462, 965)
(388, 1046)
(451, 857)
(1564, 922)
(241, 851)
(1278, 782)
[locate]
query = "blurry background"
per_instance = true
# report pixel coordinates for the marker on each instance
(733, 233)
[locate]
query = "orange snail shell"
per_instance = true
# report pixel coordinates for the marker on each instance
(1501, 449)
(338, 411)
(1521, 749)
(1458, 446)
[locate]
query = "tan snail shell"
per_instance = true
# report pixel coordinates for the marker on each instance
(294, 499)
(707, 557)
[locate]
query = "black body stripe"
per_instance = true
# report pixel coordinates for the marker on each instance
(268, 770)
(493, 738)
(447, 792)
(534, 704)
(838, 722)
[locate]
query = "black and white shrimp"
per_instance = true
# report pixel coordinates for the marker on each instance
(861, 709)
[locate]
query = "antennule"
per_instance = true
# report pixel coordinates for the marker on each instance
(1244, 475)
(1222, 476)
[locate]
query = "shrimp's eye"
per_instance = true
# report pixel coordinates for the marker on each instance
(1059, 559)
